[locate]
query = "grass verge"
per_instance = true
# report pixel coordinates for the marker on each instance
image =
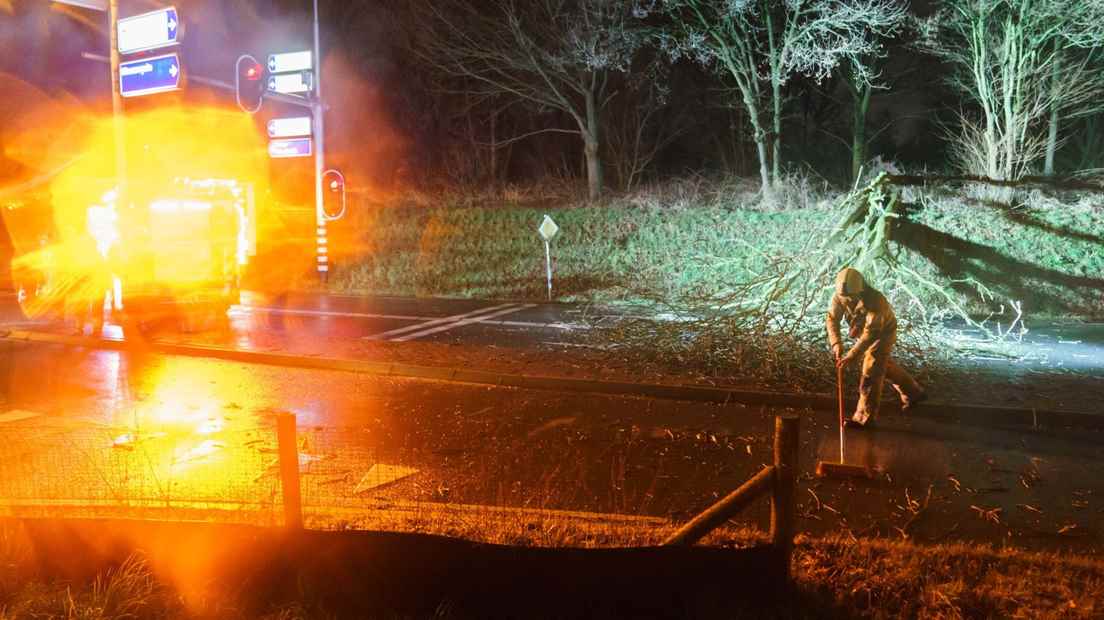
(673, 241)
(687, 253)
(834, 577)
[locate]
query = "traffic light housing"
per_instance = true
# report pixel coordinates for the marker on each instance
(249, 83)
(333, 194)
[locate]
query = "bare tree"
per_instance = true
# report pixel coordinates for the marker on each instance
(1015, 60)
(549, 54)
(816, 37)
(641, 125)
(738, 38)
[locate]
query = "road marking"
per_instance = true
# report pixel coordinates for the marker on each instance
(244, 309)
(448, 320)
(381, 475)
(330, 313)
(16, 415)
(448, 326)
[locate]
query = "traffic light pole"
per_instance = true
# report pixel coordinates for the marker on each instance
(322, 257)
(117, 101)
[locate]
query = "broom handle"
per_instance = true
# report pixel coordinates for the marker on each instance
(839, 398)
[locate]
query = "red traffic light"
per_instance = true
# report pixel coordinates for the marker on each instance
(333, 198)
(254, 71)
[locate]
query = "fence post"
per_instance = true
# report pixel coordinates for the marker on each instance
(288, 450)
(784, 492)
(722, 511)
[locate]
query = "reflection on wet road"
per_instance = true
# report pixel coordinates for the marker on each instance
(85, 427)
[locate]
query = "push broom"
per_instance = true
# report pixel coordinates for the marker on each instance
(827, 469)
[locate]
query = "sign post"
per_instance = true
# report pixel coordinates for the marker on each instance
(547, 230)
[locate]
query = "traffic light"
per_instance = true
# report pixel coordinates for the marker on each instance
(333, 194)
(249, 84)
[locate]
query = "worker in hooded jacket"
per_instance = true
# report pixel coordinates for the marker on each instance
(871, 320)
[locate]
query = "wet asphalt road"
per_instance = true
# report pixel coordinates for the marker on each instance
(78, 420)
(314, 324)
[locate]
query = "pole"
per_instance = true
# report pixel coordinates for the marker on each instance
(784, 495)
(322, 251)
(548, 265)
(839, 399)
(117, 100)
(287, 450)
(717, 514)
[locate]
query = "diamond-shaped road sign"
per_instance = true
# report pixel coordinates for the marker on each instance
(548, 229)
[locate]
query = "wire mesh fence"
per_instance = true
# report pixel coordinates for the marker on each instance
(193, 466)
(59, 467)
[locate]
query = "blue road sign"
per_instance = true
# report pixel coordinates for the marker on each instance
(149, 75)
(296, 147)
(148, 31)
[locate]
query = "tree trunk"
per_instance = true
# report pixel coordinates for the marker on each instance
(764, 172)
(858, 131)
(776, 97)
(494, 148)
(1052, 136)
(776, 129)
(590, 149)
(760, 138)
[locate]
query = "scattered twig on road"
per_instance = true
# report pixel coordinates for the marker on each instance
(988, 514)
(1029, 508)
(815, 498)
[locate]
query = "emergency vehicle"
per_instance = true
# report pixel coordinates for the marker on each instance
(168, 253)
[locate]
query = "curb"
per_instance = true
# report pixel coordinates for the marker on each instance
(977, 415)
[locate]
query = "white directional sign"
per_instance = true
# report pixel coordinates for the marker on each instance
(149, 31)
(287, 83)
(291, 61)
(289, 127)
(95, 5)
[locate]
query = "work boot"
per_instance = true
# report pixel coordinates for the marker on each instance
(858, 420)
(908, 403)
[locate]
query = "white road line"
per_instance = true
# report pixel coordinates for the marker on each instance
(333, 313)
(556, 325)
(434, 330)
(448, 320)
(16, 415)
(243, 309)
